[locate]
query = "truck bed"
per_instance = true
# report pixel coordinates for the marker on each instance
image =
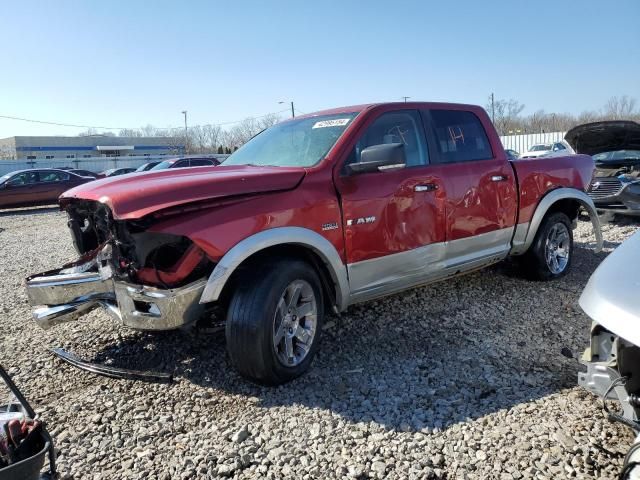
(536, 176)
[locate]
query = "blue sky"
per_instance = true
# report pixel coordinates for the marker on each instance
(132, 63)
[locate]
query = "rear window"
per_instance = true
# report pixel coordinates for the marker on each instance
(53, 176)
(200, 162)
(460, 137)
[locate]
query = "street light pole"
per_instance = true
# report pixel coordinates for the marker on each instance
(493, 110)
(405, 99)
(186, 132)
(293, 111)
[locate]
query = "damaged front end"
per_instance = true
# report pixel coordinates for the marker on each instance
(146, 280)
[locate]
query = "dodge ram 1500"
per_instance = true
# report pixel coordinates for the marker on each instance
(315, 213)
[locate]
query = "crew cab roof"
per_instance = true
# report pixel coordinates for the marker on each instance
(400, 105)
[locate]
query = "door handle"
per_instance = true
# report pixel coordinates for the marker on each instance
(498, 178)
(427, 187)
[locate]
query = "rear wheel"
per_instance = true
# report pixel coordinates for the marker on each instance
(274, 322)
(550, 255)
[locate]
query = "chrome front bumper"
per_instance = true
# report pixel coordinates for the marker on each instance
(64, 297)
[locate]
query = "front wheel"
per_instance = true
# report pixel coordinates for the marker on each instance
(274, 322)
(550, 255)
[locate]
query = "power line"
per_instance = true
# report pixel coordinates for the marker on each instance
(60, 124)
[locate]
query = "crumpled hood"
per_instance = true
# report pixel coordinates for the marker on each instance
(138, 194)
(611, 296)
(599, 137)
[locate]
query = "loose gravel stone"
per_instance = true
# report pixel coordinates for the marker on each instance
(471, 378)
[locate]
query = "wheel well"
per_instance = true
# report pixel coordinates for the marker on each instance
(568, 206)
(287, 250)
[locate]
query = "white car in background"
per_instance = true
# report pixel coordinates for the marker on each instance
(551, 149)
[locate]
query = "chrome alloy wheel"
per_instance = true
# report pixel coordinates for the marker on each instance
(294, 323)
(557, 248)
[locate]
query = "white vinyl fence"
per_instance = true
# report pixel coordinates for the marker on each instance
(521, 143)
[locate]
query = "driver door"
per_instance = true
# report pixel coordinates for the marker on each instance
(19, 190)
(394, 220)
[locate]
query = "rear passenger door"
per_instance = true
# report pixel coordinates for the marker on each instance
(51, 185)
(481, 199)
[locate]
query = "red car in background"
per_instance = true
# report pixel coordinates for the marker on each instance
(25, 188)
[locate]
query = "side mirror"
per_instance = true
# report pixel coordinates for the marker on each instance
(379, 157)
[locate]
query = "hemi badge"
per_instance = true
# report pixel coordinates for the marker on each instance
(329, 226)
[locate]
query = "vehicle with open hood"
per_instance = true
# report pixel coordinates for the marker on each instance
(615, 148)
(312, 215)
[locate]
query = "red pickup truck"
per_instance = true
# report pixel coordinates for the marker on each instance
(313, 214)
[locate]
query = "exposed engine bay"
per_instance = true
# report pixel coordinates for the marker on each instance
(145, 280)
(136, 255)
(629, 169)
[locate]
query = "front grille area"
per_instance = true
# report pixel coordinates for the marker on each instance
(605, 187)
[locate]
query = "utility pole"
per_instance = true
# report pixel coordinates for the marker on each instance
(405, 99)
(293, 111)
(186, 132)
(493, 110)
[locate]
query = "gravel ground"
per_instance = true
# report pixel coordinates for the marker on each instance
(462, 379)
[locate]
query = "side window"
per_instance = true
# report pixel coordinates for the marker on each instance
(24, 178)
(558, 146)
(201, 162)
(460, 136)
(53, 176)
(181, 164)
(396, 127)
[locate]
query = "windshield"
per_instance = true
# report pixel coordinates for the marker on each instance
(163, 165)
(295, 143)
(540, 148)
(617, 155)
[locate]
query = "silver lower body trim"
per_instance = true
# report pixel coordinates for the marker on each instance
(382, 276)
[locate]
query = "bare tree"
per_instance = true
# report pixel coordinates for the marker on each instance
(505, 114)
(130, 132)
(620, 108)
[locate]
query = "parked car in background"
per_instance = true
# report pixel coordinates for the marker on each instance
(114, 172)
(613, 358)
(183, 162)
(25, 188)
(615, 147)
(548, 150)
(312, 215)
(512, 154)
(147, 166)
(83, 173)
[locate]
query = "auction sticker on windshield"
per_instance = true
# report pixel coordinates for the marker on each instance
(338, 122)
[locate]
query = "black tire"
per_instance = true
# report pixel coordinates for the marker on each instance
(534, 263)
(251, 319)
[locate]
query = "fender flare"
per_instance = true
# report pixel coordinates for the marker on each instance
(273, 237)
(520, 247)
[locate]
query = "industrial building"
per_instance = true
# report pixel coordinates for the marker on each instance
(70, 148)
